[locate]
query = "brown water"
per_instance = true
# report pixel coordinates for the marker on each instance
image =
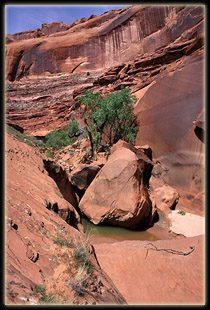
(113, 234)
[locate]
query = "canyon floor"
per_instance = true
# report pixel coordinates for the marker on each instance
(166, 269)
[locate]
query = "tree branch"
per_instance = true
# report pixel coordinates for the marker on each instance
(169, 250)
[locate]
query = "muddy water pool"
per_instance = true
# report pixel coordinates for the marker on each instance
(102, 233)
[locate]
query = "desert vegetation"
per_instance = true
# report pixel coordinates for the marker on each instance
(109, 118)
(79, 269)
(59, 138)
(44, 297)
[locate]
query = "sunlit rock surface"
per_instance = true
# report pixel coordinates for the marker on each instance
(102, 41)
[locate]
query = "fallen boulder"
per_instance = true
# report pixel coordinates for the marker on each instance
(119, 193)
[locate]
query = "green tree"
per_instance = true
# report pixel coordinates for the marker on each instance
(109, 118)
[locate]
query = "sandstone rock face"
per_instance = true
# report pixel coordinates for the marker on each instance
(199, 126)
(102, 41)
(41, 104)
(167, 122)
(46, 30)
(33, 222)
(29, 222)
(47, 102)
(150, 277)
(158, 52)
(172, 72)
(119, 195)
(62, 180)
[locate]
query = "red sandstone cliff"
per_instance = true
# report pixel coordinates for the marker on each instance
(157, 51)
(101, 41)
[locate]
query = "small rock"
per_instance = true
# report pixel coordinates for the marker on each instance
(165, 197)
(28, 211)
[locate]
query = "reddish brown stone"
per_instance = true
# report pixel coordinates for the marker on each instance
(119, 195)
(32, 256)
(83, 47)
(147, 276)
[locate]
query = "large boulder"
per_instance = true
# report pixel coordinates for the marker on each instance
(119, 193)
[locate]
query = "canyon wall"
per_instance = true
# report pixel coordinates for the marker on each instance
(99, 42)
(167, 113)
(156, 51)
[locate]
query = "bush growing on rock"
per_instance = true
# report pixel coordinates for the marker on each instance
(59, 138)
(109, 118)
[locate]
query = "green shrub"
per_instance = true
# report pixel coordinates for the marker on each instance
(29, 142)
(25, 137)
(48, 299)
(39, 143)
(45, 298)
(81, 255)
(73, 131)
(50, 154)
(59, 138)
(40, 289)
(182, 212)
(80, 249)
(63, 241)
